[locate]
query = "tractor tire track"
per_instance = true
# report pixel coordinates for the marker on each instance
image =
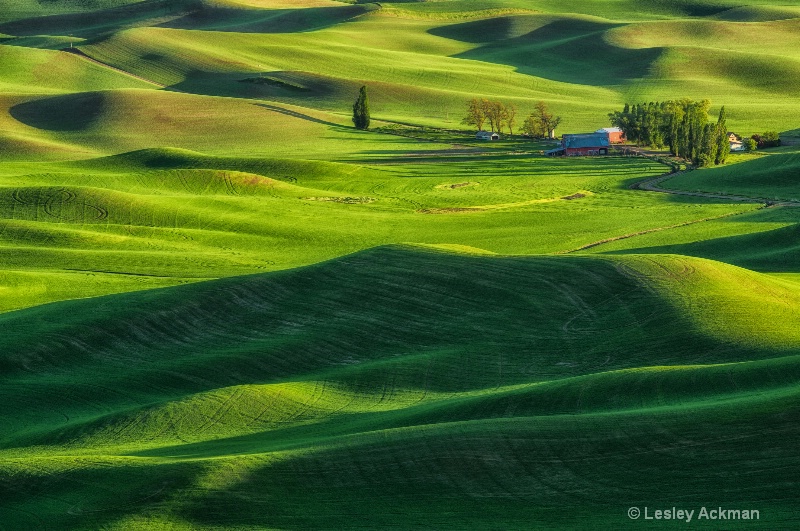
(57, 200)
(229, 184)
(374, 191)
(60, 198)
(76, 510)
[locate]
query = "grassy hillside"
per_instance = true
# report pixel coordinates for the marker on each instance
(20, 9)
(439, 377)
(424, 59)
(766, 240)
(223, 307)
(172, 216)
(774, 177)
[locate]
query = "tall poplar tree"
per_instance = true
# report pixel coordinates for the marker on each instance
(361, 110)
(723, 143)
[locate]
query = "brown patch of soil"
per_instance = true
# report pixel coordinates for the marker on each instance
(345, 200)
(448, 210)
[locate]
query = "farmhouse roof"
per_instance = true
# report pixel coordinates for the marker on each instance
(609, 130)
(588, 140)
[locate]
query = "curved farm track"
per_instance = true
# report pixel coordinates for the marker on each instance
(651, 184)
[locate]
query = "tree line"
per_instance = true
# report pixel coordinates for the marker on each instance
(498, 115)
(681, 125)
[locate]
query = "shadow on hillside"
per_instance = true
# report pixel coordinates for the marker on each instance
(692, 8)
(567, 50)
(284, 86)
(296, 114)
(100, 22)
(490, 29)
(771, 251)
(184, 14)
(70, 112)
(122, 488)
(266, 20)
(790, 138)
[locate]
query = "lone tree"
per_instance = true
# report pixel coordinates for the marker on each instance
(361, 110)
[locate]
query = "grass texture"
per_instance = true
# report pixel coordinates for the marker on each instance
(169, 216)
(422, 60)
(222, 307)
(431, 378)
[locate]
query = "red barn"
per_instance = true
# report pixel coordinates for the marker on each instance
(584, 144)
(615, 134)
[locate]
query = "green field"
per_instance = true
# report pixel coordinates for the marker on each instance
(223, 307)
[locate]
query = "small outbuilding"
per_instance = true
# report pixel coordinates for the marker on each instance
(487, 135)
(615, 134)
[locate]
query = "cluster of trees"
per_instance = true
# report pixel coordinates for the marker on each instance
(361, 110)
(541, 123)
(494, 113)
(497, 115)
(682, 125)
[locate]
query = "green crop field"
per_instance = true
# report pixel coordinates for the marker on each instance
(224, 307)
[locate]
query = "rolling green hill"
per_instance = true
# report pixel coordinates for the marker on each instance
(168, 216)
(775, 177)
(223, 307)
(424, 59)
(398, 380)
